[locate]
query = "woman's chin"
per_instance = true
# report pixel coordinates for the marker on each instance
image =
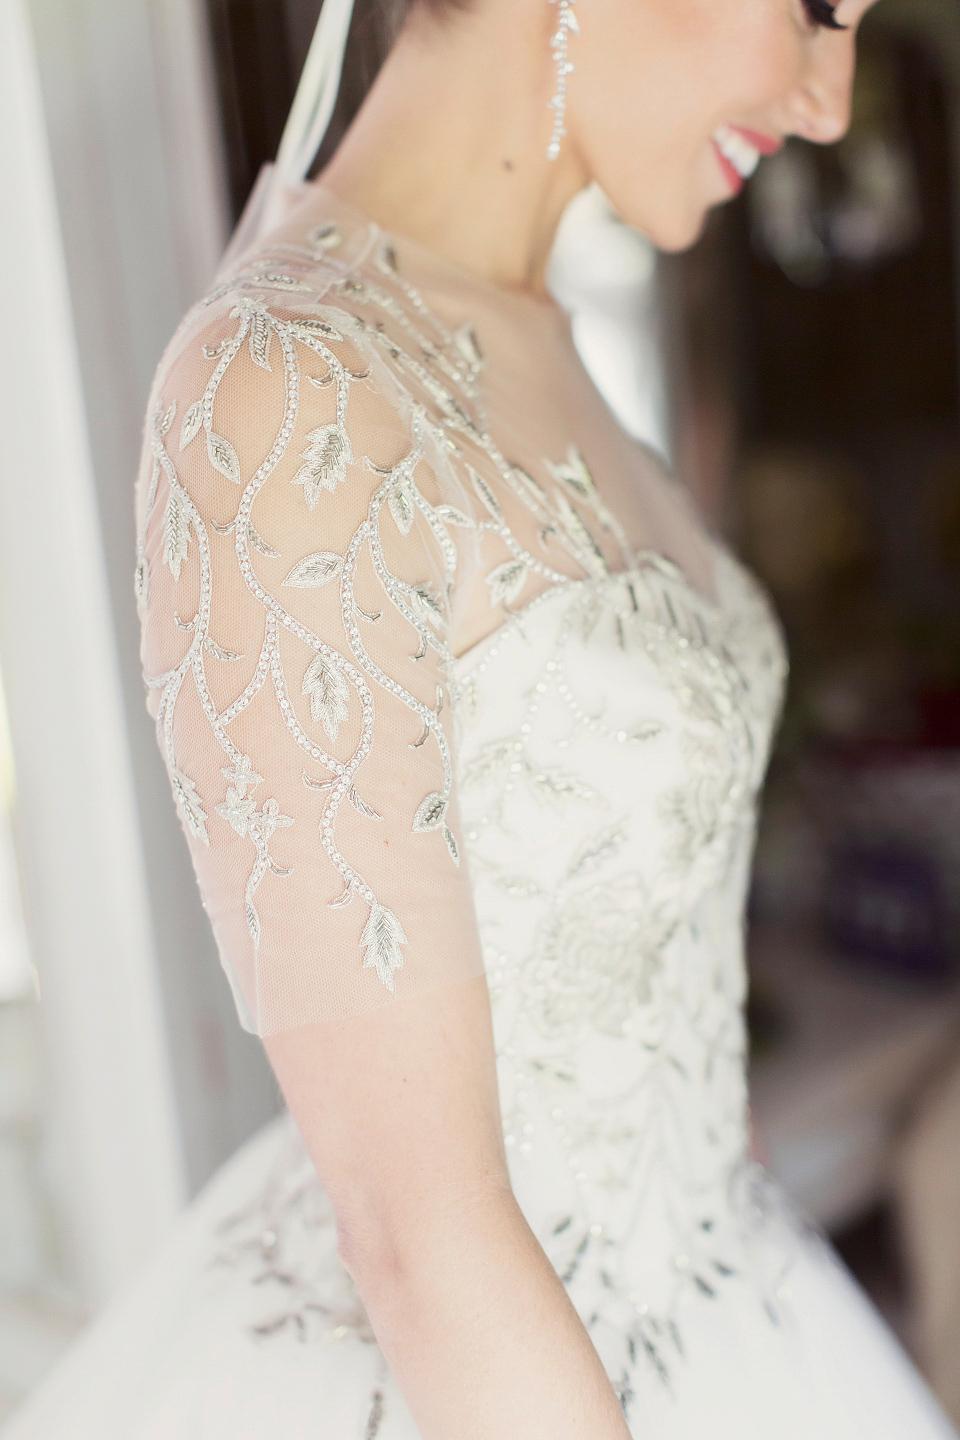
(675, 233)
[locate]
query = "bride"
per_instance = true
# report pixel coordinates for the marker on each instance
(466, 715)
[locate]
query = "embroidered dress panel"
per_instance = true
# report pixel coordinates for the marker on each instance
(326, 517)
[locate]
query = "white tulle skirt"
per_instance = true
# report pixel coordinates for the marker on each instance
(218, 1342)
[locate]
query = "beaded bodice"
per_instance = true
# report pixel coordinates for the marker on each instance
(614, 741)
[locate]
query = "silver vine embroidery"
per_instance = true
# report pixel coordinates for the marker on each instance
(340, 683)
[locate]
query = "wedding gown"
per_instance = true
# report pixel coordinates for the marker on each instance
(449, 679)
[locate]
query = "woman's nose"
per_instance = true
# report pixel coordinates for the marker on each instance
(820, 105)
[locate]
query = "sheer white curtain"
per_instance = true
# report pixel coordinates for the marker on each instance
(115, 1144)
(112, 218)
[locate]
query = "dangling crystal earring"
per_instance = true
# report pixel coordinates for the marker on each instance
(559, 44)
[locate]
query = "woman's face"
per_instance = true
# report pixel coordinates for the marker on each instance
(673, 102)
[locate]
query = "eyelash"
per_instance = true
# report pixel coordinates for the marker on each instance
(822, 13)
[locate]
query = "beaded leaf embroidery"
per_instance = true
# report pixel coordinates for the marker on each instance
(437, 373)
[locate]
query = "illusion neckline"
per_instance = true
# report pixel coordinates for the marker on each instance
(439, 266)
(342, 211)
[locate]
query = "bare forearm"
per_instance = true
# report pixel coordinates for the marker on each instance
(481, 1335)
(471, 1316)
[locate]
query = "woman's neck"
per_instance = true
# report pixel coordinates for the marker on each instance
(450, 147)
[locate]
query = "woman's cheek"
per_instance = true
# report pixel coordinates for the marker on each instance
(775, 69)
(755, 69)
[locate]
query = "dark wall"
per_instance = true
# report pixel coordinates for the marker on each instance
(260, 47)
(867, 350)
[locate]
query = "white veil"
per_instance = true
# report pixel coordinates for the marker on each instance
(306, 126)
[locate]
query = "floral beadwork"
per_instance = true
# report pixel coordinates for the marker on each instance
(598, 935)
(439, 370)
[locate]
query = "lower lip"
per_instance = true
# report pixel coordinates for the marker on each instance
(732, 175)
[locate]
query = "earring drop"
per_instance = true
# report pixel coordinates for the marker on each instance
(559, 44)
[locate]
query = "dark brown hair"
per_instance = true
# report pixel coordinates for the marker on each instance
(375, 26)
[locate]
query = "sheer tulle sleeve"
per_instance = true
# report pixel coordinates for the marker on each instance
(306, 544)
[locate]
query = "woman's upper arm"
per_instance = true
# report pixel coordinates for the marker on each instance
(298, 573)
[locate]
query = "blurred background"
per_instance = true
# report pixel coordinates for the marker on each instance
(801, 369)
